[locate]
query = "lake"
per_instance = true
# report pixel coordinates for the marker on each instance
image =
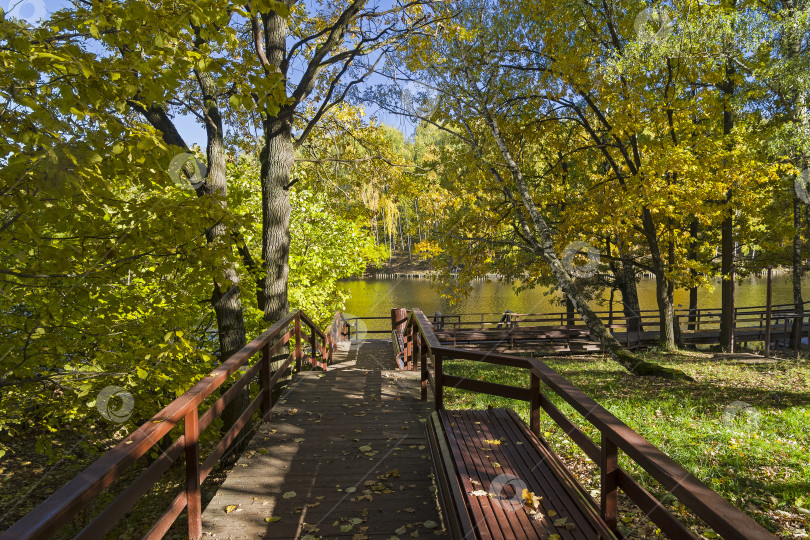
(376, 297)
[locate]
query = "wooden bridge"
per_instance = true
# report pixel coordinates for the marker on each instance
(357, 448)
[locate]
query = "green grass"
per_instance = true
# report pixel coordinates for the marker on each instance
(759, 459)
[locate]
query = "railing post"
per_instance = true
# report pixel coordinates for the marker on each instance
(609, 465)
(423, 359)
(298, 342)
(417, 349)
(407, 357)
(438, 380)
(534, 404)
(264, 373)
(194, 501)
(313, 345)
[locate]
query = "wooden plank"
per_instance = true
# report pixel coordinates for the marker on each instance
(485, 387)
(466, 474)
(512, 520)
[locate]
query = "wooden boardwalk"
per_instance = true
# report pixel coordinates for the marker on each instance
(343, 457)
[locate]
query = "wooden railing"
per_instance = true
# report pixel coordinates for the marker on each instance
(422, 347)
(692, 326)
(61, 507)
(647, 317)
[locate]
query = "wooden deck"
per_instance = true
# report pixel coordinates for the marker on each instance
(345, 454)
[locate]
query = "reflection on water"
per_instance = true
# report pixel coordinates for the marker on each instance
(376, 297)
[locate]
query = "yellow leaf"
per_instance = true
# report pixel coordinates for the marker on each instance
(272, 519)
(230, 508)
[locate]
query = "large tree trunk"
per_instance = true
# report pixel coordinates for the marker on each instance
(663, 288)
(277, 159)
(727, 87)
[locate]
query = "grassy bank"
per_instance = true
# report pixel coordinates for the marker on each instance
(742, 427)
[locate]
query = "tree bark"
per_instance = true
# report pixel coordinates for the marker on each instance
(727, 87)
(693, 291)
(277, 159)
(626, 283)
(663, 288)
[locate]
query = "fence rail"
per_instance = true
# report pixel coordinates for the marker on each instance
(61, 507)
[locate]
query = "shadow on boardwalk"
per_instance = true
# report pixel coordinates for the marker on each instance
(344, 455)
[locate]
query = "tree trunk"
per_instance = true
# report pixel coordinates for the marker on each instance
(693, 291)
(663, 289)
(626, 283)
(727, 87)
(277, 159)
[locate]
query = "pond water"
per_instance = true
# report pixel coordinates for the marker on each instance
(376, 297)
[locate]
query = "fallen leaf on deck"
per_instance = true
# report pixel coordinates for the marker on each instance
(230, 508)
(479, 493)
(289, 495)
(492, 441)
(272, 519)
(430, 524)
(560, 522)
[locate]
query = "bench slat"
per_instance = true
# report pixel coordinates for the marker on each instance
(521, 522)
(480, 511)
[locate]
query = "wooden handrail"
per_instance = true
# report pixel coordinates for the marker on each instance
(58, 509)
(727, 520)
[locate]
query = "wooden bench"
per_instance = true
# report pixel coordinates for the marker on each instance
(466, 464)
